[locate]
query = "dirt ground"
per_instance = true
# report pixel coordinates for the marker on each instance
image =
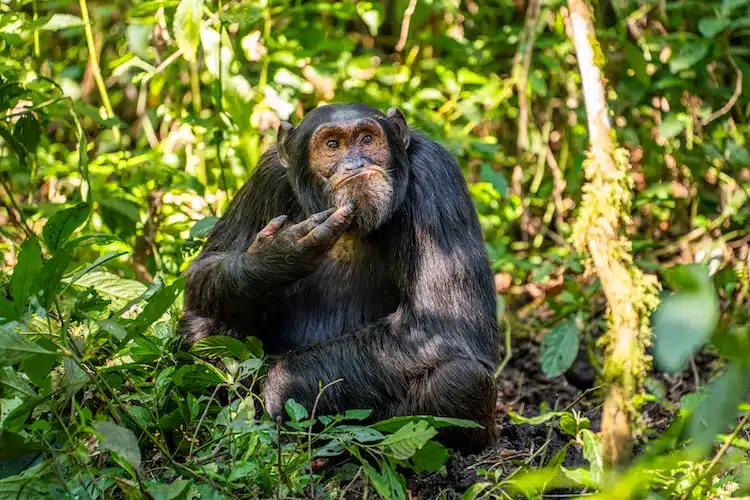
(524, 389)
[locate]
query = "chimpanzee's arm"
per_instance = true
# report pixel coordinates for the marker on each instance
(443, 337)
(226, 281)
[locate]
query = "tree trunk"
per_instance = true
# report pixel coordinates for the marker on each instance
(605, 209)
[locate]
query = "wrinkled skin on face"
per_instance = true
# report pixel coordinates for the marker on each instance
(352, 159)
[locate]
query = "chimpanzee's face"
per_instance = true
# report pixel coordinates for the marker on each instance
(352, 159)
(343, 153)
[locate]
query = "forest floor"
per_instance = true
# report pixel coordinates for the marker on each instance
(525, 390)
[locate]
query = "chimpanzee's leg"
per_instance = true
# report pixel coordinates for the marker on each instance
(461, 388)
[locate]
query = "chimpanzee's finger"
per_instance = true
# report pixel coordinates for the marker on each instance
(301, 229)
(272, 228)
(334, 226)
(269, 232)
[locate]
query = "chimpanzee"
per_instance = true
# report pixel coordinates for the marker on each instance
(354, 252)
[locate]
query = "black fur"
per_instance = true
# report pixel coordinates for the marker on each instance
(409, 321)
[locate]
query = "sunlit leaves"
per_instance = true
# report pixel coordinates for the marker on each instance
(187, 24)
(62, 224)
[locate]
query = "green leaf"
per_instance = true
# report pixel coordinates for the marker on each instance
(410, 438)
(356, 414)
(63, 224)
(201, 228)
(684, 321)
(430, 457)
(196, 377)
(671, 127)
(497, 179)
(539, 419)
(52, 273)
(719, 408)
(568, 424)
(592, 452)
(728, 5)
(28, 132)
(712, 26)
(187, 25)
(475, 490)
(580, 476)
(395, 423)
(11, 381)
(371, 14)
(24, 281)
(120, 440)
(171, 491)
(62, 21)
(387, 483)
(295, 410)
(110, 286)
(690, 53)
(221, 346)
(156, 306)
(559, 348)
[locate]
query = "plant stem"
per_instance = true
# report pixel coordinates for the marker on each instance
(95, 69)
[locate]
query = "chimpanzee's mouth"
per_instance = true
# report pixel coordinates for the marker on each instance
(361, 173)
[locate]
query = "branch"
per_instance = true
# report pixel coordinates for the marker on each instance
(732, 100)
(405, 25)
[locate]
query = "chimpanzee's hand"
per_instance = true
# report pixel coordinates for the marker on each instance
(304, 243)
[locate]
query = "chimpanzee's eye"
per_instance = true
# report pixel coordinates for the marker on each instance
(332, 143)
(367, 139)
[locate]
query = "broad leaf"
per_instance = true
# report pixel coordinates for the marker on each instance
(559, 348)
(712, 26)
(187, 24)
(62, 21)
(221, 346)
(27, 131)
(171, 491)
(24, 282)
(295, 410)
(592, 452)
(430, 457)
(684, 321)
(203, 226)
(539, 419)
(719, 408)
(396, 423)
(690, 53)
(410, 438)
(15, 347)
(120, 440)
(61, 226)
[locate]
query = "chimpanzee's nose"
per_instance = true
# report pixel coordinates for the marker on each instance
(356, 163)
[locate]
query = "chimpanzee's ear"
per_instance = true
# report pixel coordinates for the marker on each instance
(282, 141)
(396, 117)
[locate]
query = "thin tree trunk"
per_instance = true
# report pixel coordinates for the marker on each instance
(631, 295)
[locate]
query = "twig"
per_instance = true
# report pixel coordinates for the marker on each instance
(343, 492)
(95, 69)
(309, 430)
(727, 443)
(508, 351)
(529, 37)
(14, 211)
(278, 456)
(405, 25)
(732, 100)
